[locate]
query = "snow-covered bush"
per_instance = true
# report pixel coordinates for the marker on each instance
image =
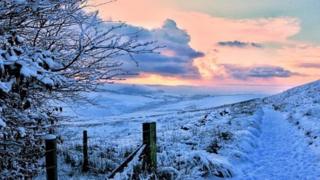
(25, 74)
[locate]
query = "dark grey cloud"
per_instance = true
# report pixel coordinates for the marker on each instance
(310, 65)
(176, 41)
(239, 44)
(258, 72)
(168, 66)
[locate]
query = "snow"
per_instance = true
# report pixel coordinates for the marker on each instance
(6, 86)
(28, 69)
(20, 1)
(50, 137)
(282, 152)
(12, 58)
(132, 100)
(301, 107)
(2, 123)
(203, 136)
(47, 80)
(22, 131)
(184, 134)
(128, 171)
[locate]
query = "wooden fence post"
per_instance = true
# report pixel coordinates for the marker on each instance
(85, 166)
(51, 128)
(5, 141)
(150, 151)
(51, 157)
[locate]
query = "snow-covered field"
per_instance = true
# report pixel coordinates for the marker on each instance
(200, 136)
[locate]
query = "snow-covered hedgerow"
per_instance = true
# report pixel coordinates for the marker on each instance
(25, 76)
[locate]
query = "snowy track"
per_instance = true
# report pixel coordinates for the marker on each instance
(282, 153)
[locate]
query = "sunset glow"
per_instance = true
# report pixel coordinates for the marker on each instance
(264, 44)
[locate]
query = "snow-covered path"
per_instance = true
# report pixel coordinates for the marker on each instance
(282, 152)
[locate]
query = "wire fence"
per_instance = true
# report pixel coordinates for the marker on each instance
(106, 152)
(107, 159)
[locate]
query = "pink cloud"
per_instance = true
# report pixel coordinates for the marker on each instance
(205, 31)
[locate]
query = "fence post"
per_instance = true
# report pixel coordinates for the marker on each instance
(150, 151)
(51, 157)
(85, 166)
(51, 129)
(5, 141)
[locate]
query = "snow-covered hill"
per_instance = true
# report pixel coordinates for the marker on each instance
(200, 136)
(128, 100)
(302, 108)
(288, 143)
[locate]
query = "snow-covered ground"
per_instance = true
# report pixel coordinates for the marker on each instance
(200, 136)
(191, 144)
(120, 100)
(301, 105)
(281, 153)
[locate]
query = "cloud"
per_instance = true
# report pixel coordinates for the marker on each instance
(167, 66)
(170, 32)
(239, 44)
(173, 60)
(244, 73)
(275, 31)
(310, 65)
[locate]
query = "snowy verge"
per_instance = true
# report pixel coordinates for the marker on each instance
(301, 106)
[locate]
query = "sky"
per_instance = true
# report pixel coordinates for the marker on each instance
(241, 44)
